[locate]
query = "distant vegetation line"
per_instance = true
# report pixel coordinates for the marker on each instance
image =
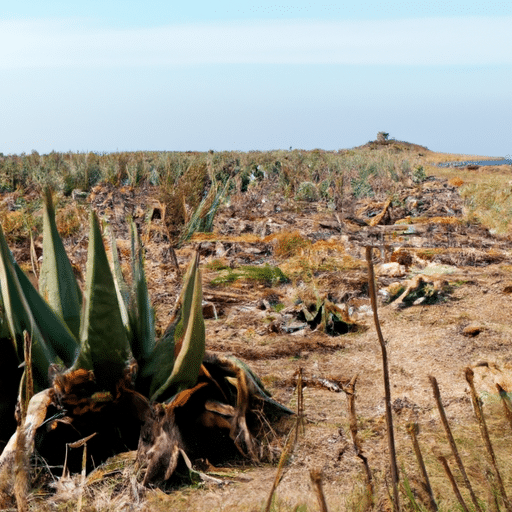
(192, 186)
(360, 170)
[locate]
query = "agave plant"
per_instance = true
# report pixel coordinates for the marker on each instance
(101, 374)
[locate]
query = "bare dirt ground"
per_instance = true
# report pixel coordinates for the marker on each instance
(463, 320)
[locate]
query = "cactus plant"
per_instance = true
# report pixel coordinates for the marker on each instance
(98, 368)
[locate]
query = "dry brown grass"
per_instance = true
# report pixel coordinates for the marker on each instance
(288, 244)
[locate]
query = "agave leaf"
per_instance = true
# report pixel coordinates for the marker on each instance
(20, 318)
(154, 372)
(104, 344)
(57, 282)
(52, 327)
(256, 387)
(141, 313)
(123, 292)
(191, 352)
(186, 297)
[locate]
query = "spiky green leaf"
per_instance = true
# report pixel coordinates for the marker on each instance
(123, 292)
(53, 329)
(57, 282)
(186, 297)
(141, 312)
(155, 371)
(104, 344)
(190, 356)
(20, 318)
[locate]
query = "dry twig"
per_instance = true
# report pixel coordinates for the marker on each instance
(451, 440)
(291, 442)
(316, 480)
(351, 396)
(455, 487)
(412, 429)
(387, 387)
(507, 403)
(477, 407)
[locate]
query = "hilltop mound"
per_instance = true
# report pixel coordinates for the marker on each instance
(396, 145)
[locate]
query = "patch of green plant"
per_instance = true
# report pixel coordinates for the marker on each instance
(409, 494)
(217, 264)
(227, 276)
(361, 186)
(307, 191)
(418, 174)
(267, 275)
(459, 283)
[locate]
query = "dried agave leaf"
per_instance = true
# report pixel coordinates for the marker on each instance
(36, 414)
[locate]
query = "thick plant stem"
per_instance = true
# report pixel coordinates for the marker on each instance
(412, 429)
(387, 387)
(477, 406)
(451, 440)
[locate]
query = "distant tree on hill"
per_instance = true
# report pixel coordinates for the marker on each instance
(382, 136)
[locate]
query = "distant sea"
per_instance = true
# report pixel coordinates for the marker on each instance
(501, 161)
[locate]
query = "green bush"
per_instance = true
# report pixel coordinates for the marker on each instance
(307, 191)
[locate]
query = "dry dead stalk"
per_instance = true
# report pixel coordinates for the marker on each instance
(351, 397)
(316, 480)
(175, 261)
(449, 474)
(451, 440)
(387, 387)
(82, 479)
(300, 425)
(507, 403)
(21, 458)
(288, 447)
(291, 441)
(492, 497)
(27, 390)
(477, 407)
(413, 429)
(21, 471)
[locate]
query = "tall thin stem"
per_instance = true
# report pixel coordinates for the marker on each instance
(477, 406)
(451, 440)
(387, 387)
(412, 429)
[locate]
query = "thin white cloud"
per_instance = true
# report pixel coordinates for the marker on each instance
(429, 41)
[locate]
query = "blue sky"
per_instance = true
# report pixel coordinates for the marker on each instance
(159, 75)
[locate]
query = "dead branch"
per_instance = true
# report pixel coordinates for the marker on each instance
(412, 429)
(507, 403)
(451, 440)
(316, 480)
(477, 407)
(387, 387)
(455, 488)
(351, 397)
